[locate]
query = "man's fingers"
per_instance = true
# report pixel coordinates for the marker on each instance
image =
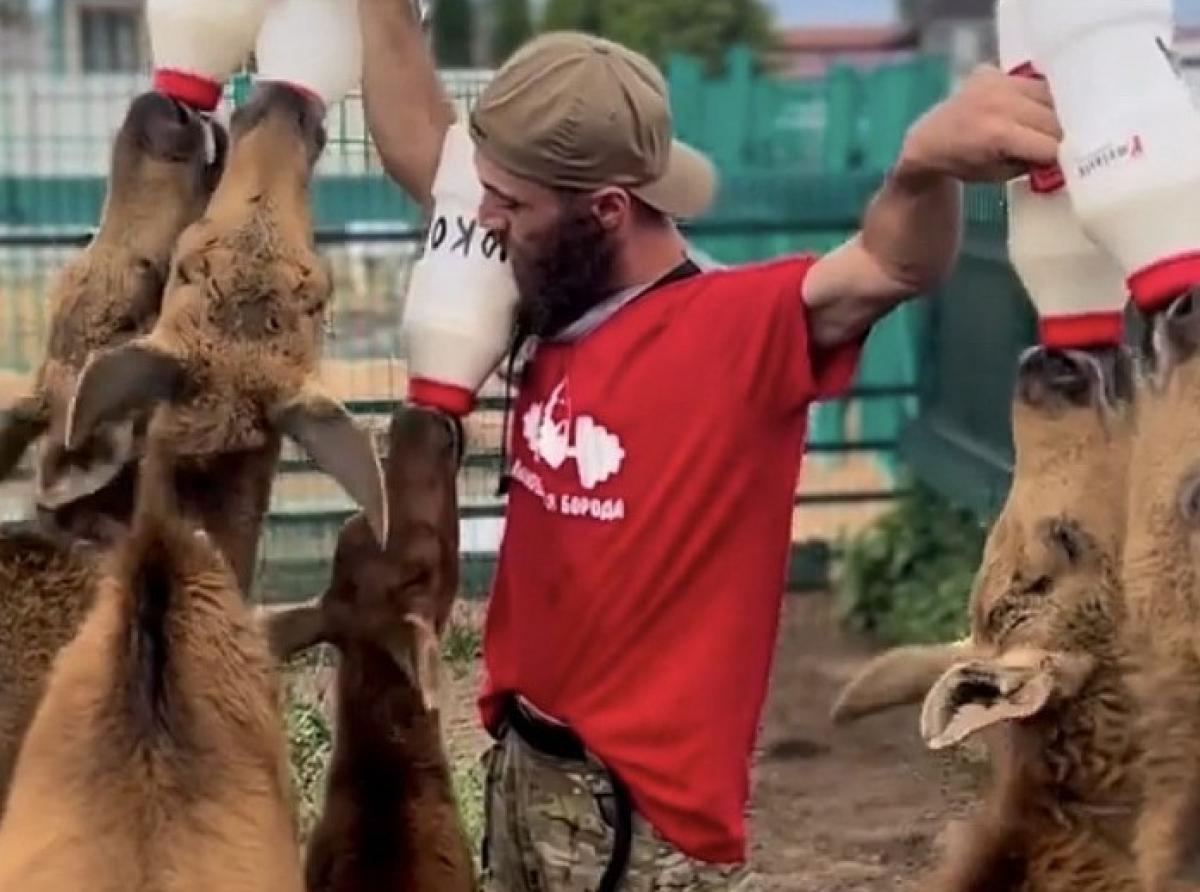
(1036, 116)
(1034, 88)
(1029, 146)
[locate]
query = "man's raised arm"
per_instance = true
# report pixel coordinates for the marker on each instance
(406, 108)
(989, 130)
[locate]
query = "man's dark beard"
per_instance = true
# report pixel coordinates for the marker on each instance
(572, 274)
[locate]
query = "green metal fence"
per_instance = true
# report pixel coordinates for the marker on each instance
(979, 323)
(785, 188)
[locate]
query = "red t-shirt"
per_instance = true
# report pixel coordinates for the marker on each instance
(640, 577)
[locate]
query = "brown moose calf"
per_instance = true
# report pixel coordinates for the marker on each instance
(1163, 593)
(156, 760)
(160, 178)
(233, 356)
(1041, 676)
(390, 820)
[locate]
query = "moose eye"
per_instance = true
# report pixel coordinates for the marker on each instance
(1039, 586)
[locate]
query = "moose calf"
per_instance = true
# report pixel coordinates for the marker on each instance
(156, 759)
(1042, 675)
(390, 819)
(1161, 587)
(233, 355)
(160, 178)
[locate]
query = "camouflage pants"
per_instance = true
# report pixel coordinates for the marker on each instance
(549, 828)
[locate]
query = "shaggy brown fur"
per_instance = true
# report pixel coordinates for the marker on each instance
(1042, 675)
(156, 760)
(235, 349)
(1164, 601)
(45, 590)
(391, 819)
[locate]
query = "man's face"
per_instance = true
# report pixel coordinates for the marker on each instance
(563, 256)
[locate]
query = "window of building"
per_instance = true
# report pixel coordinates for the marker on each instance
(109, 39)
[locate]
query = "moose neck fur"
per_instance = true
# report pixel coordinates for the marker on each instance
(390, 781)
(229, 495)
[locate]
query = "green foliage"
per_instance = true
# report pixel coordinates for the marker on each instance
(462, 645)
(452, 28)
(467, 775)
(704, 28)
(310, 734)
(907, 578)
(514, 26)
(574, 15)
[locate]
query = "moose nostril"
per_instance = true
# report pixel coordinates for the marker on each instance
(1183, 308)
(182, 115)
(1054, 366)
(1049, 377)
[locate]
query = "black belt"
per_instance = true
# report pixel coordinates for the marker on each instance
(561, 742)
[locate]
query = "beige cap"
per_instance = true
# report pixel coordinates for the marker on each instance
(573, 111)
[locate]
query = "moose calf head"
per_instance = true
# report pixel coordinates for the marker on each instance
(1046, 603)
(165, 164)
(396, 602)
(234, 352)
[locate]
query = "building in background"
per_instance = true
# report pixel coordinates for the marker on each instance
(77, 37)
(23, 46)
(808, 52)
(960, 31)
(1187, 50)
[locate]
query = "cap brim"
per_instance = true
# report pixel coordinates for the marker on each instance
(688, 187)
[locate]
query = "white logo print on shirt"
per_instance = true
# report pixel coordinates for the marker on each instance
(598, 453)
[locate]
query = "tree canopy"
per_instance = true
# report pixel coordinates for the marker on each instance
(452, 29)
(704, 28)
(513, 26)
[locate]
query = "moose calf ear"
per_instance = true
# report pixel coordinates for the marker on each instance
(293, 630)
(20, 425)
(977, 694)
(340, 448)
(115, 383)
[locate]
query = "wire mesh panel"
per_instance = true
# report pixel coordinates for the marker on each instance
(56, 132)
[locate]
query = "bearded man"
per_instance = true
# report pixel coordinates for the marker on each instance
(659, 436)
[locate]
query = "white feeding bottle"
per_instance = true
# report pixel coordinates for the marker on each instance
(461, 303)
(1076, 287)
(1131, 151)
(313, 46)
(197, 44)
(1016, 58)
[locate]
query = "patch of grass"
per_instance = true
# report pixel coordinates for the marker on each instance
(907, 577)
(310, 738)
(310, 741)
(462, 645)
(467, 774)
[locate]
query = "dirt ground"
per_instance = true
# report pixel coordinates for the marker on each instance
(852, 809)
